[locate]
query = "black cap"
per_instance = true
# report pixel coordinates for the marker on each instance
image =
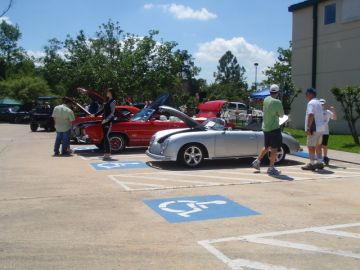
(311, 91)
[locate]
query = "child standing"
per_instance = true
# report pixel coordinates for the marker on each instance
(328, 114)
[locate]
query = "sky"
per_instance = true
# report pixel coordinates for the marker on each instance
(251, 29)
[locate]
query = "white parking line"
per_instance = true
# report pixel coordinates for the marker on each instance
(204, 176)
(262, 239)
(170, 179)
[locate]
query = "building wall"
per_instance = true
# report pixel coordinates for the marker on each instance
(338, 59)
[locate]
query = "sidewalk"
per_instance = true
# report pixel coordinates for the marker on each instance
(340, 155)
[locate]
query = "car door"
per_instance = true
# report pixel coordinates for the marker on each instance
(235, 143)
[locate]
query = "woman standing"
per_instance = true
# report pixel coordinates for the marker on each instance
(108, 114)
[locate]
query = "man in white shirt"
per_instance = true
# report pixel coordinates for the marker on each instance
(314, 127)
(327, 114)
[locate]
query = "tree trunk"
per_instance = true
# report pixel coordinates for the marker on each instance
(354, 134)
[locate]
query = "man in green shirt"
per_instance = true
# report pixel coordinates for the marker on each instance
(63, 116)
(272, 109)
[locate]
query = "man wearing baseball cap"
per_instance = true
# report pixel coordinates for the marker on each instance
(328, 114)
(314, 127)
(272, 109)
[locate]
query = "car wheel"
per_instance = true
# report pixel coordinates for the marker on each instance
(117, 142)
(191, 155)
(280, 155)
(34, 127)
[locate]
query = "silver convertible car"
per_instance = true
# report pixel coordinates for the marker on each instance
(210, 140)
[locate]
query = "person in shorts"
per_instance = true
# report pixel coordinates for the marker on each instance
(273, 110)
(314, 127)
(328, 114)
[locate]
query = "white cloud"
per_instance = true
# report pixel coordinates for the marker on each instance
(6, 19)
(246, 53)
(182, 12)
(149, 6)
(35, 54)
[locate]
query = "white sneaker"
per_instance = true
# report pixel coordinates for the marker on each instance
(256, 164)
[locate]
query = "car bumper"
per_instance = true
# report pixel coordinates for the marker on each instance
(157, 157)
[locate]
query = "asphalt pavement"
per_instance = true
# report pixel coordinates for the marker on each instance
(79, 212)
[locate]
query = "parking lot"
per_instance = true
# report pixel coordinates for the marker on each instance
(79, 212)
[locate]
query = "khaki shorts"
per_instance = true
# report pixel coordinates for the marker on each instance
(314, 139)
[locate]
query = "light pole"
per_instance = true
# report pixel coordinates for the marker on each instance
(256, 65)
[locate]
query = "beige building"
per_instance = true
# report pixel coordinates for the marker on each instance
(326, 52)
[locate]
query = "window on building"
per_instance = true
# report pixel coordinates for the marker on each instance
(330, 14)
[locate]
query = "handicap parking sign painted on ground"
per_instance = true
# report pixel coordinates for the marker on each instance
(85, 148)
(118, 165)
(185, 209)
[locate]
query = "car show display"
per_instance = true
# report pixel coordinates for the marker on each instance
(210, 140)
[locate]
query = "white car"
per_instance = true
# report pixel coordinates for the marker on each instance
(210, 140)
(240, 111)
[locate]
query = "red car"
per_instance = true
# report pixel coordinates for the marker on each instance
(83, 118)
(138, 130)
(210, 109)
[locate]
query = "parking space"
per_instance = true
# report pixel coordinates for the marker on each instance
(136, 213)
(321, 244)
(158, 179)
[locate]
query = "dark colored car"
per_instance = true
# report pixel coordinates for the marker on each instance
(14, 114)
(40, 116)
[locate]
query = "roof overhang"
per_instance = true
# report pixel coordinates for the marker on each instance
(304, 4)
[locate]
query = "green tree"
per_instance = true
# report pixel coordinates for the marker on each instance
(25, 89)
(280, 73)
(138, 66)
(54, 68)
(10, 53)
(230, 82)
(229, 70)
(349, 98)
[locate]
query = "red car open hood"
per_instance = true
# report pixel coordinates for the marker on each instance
(91, 94)
(77, 105)
(210, 109)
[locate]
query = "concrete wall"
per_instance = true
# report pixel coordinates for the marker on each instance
(338, 60)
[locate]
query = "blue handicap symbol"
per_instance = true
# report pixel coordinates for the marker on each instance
(185, 209)
(87, 148)
(118, 165)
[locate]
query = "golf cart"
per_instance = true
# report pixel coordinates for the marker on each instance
(40, 116)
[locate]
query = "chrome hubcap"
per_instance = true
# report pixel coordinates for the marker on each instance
(116, 143)
(193, 155)
(279, 155)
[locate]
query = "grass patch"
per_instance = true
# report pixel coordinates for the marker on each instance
(336, 142)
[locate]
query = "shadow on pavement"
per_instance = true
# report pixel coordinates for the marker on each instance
(214, 164)
(93, 151)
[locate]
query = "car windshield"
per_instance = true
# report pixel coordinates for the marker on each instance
(143, 115)
(214, 124)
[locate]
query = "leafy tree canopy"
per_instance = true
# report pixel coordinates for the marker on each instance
(280, 74)
(349, 98)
